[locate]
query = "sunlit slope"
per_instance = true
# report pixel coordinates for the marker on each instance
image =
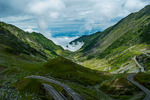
(86, 39)
(46, 43)
(117, 45)
(15, 40)
(68, 70)
(15, 68)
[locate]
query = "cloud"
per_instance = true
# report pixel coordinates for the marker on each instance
(44, 6)
(45, 10)
(75, 46)
(89, 12)
(134, 5)
(43, 27)
(30, 30)
(63, 41)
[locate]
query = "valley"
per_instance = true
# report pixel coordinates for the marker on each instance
(111, 65)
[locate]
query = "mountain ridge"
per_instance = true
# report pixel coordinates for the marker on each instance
(144, 11)
(113, 43)
(28, 43)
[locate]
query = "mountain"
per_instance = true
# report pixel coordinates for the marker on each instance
(24, 54)
(31, 66)
(116, 46)
(15, 40)
(86, 39)
(46, 43)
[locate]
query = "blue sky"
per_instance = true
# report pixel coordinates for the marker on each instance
(65, 20)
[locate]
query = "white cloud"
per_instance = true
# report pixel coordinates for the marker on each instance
(44, 6)
(134, 5)
(54, 15)
(18, 18)
(63, 41)
(29, 30)
(75, 46)
(88, 11)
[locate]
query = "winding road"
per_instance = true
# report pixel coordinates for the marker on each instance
(53, 92)
(130, 78)
(142, 68)
(70, 91)
(146, 54)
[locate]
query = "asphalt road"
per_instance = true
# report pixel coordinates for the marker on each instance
(130, 78)
(53, 92)
(142, 68)
(70, 91)
(146, 54)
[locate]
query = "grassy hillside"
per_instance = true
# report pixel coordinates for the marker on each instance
(68, 70)
(144, 79)
(86, 39)
(13, 44)
(17, 41)
(120, 88)
(23, 54)
(13, 71)
(144, 60)
(118, 45)
(46, 43)
(133, 23)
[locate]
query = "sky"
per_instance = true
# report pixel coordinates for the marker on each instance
(65, 20)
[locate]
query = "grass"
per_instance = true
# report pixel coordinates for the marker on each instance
(65, 69)
(115, 43)
(120, 88)
(32, 86)
(86, 93)
(62, 68)
(20, 66)
(143, 79)
(119, 57)
(115, 51)
(122, 55)
(144, 60)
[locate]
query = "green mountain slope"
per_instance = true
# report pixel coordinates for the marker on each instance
(66, 69)
(18, 41)
(86, 39)
(22, 55)
(14, 69)
(134, 23)
(13, 43)
(118, 44)
(46, 43)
